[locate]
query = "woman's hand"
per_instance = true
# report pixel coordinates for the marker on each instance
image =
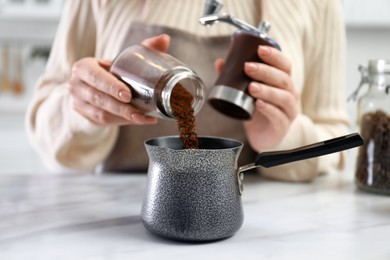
(102, 98)
(276, 99)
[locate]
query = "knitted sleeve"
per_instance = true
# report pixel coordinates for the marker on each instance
(64, 139)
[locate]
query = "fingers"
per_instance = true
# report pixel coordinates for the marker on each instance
(269, 75)
(101, 97)
(275, 72)
(218, 65)
(272, 86)
(96, 115)
(269, 99)
(160, 42)
(276, 116)
(102, 117)
(101, 100)
(274, 58)
(105, 64)
(91, 73)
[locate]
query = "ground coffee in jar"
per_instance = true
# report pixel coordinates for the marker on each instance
(373, 161)
(152, 75)
(372, 171)
(162, 86)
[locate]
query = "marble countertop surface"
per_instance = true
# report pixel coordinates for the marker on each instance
(98, 217)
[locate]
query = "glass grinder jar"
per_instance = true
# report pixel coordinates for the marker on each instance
(372, 171)
(152, 75)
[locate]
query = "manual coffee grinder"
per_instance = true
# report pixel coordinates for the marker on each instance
(229, 94)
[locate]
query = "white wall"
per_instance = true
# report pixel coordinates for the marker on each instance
(363, 44)
(368, 37)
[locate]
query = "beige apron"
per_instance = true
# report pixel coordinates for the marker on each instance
(199, 53)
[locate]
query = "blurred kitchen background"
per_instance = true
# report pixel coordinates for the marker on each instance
(27, 28)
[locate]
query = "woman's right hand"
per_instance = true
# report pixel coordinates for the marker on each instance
(102, 98)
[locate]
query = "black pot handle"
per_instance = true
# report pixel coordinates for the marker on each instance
(270, 159)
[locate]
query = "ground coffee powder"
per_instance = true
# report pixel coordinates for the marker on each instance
(181, 101)
(373, 162)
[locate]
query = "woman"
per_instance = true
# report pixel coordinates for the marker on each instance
(79, 118)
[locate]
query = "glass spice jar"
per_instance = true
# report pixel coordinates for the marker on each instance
(372, 171)
(152, 75)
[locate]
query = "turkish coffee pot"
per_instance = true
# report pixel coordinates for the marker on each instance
(195, 194)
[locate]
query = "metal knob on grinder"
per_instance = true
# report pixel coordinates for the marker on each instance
(230, 92)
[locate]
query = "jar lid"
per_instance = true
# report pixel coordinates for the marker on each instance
(379, 66)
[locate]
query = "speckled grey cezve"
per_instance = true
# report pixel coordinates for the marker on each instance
(192, 194)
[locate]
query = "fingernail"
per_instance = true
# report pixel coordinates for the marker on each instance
(166, 36)
(136, 116)
(264, 50)
(128, 114)
(250, 66)
(124, 96)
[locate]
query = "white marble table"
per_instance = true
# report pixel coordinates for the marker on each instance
(98, 217)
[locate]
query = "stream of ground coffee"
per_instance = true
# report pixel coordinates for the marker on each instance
(181, 106)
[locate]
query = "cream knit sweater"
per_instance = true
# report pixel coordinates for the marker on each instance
(310, 32)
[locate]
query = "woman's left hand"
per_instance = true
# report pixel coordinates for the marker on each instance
(276, 99)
